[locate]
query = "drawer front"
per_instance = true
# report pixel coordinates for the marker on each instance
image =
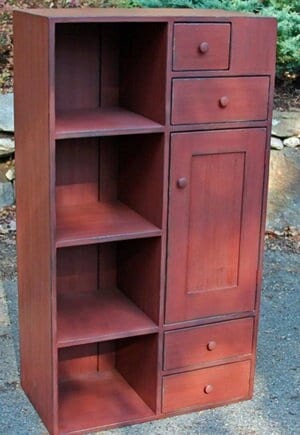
(213, 100)
(201, 46)
(204, 344)
(205, 387)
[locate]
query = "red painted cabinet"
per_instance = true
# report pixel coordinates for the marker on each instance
(146, 133)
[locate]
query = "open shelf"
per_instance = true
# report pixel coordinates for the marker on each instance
(99, 399)
(100, 222)
(108, 188)
(102, 122)
(107, 291)
(109, 84)
(99, 316)
(102, 384)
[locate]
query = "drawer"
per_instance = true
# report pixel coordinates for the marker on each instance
(212, 386)
(201, 46)
(213, 100)
(205, 344)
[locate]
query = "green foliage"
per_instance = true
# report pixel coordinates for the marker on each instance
(288, 42)
(287, 14)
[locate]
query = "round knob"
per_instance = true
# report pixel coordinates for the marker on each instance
(211, 345)
(203, 47)
(181, 182)
(208, 389)
(224, 101)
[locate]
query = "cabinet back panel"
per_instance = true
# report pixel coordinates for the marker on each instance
(77, 269)
(87, 358)
(77, 360)
(77, 165)
(77, 66)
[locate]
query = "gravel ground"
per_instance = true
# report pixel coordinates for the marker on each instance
(274, 410)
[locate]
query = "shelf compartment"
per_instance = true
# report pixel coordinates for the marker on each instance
(107, 291)
(100, 222)
(103, 384)
(109, 85)
(106, 188)
(103, 122)
(99, 316)
(98, 400)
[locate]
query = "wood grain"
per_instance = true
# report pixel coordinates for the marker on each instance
(140, 373)
(197, 100)
(35, 202)
(77, 75)
(190, 347)
(186, 46)
(208, 272)
(90, 317)
(143, 69)
(77, 178)
(141, 175)
(82, 398)
(77, 269)
(100, 222)
(229, 382)
(104, 122)
(139, 274)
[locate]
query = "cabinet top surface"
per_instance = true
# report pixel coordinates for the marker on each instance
(130, 14)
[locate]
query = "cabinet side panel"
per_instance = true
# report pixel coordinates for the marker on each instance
(33, 186)
(253, 45)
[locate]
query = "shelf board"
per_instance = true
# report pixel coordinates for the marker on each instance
(102, 122)
(99, 316)
(98, 399)
(100, 222)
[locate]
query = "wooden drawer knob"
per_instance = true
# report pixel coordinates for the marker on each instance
(181, 182)
(203, 47)
(211, 345)
(223, 101)
(208, 389)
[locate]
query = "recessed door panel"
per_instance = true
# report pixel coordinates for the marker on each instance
(216, 186)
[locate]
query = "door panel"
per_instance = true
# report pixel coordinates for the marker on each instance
(214, 222)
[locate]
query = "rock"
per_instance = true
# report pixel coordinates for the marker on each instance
(12, 225)
(7, 146)
(276, 143)
(7, 195)
(292, 142)
(11, 174)
(286, 124)
(284, 191)
(7, 112)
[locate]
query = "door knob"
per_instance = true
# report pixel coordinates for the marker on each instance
(181, 182)
(208, 389)
(224, 101)
(211, 345)
(203, 47)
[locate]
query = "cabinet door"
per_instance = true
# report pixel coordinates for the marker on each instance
(216, 185)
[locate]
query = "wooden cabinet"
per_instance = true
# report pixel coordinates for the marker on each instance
(142, 152)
